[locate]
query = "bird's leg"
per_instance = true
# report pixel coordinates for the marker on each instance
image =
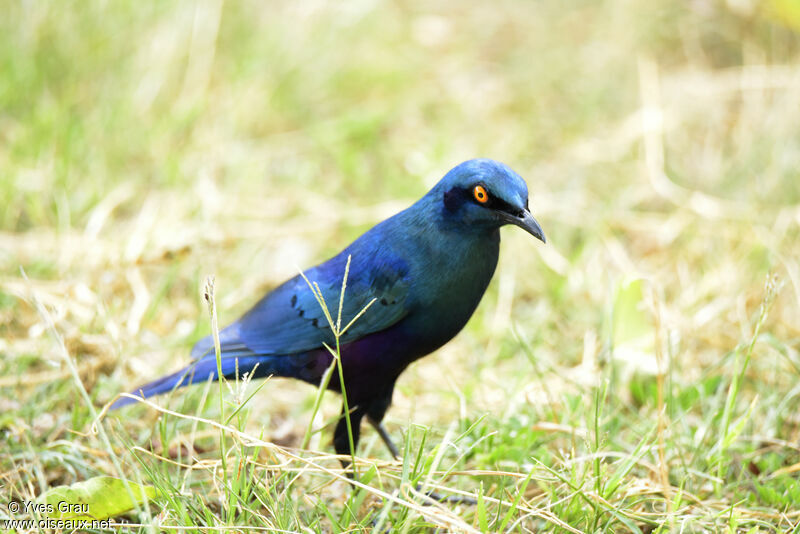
(384, 434)
(375, 412)
(341, 437)
(451, 499)
(433, 495)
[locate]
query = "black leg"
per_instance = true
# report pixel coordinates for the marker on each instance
(341, 439)
(395, 452)
(375, 410)
(451, 499)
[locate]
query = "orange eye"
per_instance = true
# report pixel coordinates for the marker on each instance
(480, 194)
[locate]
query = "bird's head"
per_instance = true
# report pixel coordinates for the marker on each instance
(484, 193)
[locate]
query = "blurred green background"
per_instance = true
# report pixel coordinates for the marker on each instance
(145, 145)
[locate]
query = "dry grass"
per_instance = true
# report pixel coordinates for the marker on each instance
(143, 147)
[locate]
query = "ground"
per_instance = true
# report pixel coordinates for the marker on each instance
(638, 373)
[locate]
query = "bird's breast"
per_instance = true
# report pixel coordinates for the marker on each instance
(450, 284)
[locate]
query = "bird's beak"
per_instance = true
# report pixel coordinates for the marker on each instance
(527, 223)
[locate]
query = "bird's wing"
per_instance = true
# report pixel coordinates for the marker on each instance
(290, 320)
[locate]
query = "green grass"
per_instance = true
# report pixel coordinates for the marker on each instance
(636, 374)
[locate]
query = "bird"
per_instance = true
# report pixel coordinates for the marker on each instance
(416, 278)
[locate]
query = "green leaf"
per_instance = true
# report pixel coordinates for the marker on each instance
(631, 322)
(97, 498)
(632, 330)
(483, 522)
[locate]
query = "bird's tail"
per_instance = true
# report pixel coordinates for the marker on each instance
(199, 371)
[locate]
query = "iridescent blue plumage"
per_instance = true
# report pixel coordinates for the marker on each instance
(426, 268)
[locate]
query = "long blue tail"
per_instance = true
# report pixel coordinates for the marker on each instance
(201, 371)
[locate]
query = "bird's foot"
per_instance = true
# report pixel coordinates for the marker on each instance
(435, 496)
(395, 452)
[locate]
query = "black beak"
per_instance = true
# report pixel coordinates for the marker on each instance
(526, 222)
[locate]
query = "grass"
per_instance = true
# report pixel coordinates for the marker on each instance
(639, 373)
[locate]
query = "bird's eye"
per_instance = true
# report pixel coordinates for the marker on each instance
(480, 194)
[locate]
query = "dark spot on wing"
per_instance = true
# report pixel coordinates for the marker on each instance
(315, 323)
(301, 312)
(294, 300)
(384, 302)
